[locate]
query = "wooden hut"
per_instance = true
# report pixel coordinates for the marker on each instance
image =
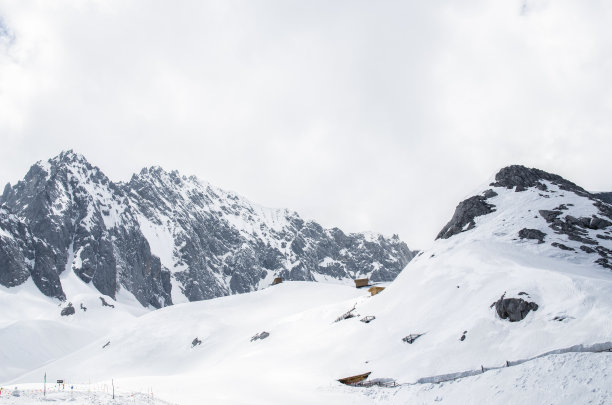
(277, 280)
(375, 290)
(362, 282)
(354, 379)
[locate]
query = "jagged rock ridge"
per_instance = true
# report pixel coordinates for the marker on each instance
(163, 236)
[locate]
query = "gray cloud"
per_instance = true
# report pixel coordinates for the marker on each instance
(363, 115)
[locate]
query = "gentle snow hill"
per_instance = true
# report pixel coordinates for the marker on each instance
(523, 236)
(33, 332)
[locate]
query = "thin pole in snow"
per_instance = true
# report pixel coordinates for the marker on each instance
(113, 382)
(45, 386)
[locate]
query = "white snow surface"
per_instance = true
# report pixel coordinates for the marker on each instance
(444, 293)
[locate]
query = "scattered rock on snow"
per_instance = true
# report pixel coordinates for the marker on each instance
(535, 234)
(368, 319)
(106, 345)
(561, 246)
(196, 342)
(412, 337)
(260, 336)
(69, 310)
(106, 304)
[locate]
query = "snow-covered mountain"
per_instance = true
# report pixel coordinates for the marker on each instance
(168, 238)
(521, 270)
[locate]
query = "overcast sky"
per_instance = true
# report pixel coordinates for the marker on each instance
(366, 115)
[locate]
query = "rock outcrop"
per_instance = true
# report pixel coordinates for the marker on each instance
(466, 211)
(514, 309)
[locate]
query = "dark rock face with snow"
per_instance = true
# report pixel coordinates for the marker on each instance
(574, 220)
(466, 211)
(162, 231)
(22, 255)
(605, 197)
(521, 178)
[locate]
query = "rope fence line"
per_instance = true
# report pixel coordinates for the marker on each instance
(83, 389)
(436, 379)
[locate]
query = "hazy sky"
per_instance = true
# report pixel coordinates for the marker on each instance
(366, 115)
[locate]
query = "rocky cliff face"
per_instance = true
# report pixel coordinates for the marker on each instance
(163, 236)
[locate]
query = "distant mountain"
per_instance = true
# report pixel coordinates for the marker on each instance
(168, 238)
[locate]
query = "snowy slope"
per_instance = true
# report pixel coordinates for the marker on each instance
(445, 294)
(33, 331)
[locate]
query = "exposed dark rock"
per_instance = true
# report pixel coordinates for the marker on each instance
(22, 255)
(106, 345)
(463, 218)
(598, 223)
(489, 194)
(514, 309)
(410, 339)
(196, 342)
(260, 336)
(561, 246)
(605, 197)
(69, 310)
(550, 216)
(523, 178)
(83, 307)
(587, 249)
(106, 304)
(604, 262)
(368, 319)
(535, 234)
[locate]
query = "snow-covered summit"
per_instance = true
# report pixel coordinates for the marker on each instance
(533, 207)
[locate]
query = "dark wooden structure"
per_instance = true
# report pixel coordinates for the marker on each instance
(354, 379)
(362, 282)
(277, 280)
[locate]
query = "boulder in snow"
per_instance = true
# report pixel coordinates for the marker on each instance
(69, 310)
(514, 309)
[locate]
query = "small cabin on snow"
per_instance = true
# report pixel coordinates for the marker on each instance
(362, 282)
(277, 280)
(375, 290)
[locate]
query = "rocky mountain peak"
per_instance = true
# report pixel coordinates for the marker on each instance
(166, 238)
(520, 178)
(534, 206)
